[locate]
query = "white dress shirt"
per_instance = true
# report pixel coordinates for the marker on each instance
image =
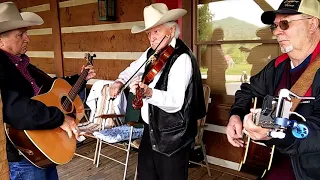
(179, 77)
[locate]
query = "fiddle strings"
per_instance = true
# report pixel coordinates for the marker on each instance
(156, 51)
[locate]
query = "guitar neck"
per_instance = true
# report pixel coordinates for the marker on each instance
(77, 86)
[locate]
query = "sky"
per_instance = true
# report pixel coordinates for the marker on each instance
(245, 10)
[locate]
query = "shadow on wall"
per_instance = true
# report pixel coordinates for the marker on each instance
(262, 54)
(214, 59)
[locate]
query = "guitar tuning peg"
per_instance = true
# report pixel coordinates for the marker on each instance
(86, 55)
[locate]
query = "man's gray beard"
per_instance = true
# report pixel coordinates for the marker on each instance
(286, 49)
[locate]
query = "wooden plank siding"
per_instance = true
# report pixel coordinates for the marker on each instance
(27, 3)
(126, 12)
(105, 41)
(41, 43)
(45, 64)
(82, 15)
(105, 68)
(47, 18)
(56, 36)
(101, 41)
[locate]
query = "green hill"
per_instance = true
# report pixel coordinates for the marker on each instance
(235, 29)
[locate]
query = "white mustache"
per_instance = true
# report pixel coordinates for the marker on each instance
(280, 39)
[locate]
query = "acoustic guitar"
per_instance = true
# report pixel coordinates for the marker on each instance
(45, 148)
(257, 157)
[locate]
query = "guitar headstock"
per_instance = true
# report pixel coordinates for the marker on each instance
(89, 58)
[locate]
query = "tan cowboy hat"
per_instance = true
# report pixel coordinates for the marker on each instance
(157, 14)
(11, 18)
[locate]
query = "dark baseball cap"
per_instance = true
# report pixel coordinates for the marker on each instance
(291, 7)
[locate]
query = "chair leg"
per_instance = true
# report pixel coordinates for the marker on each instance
(136, 173)
(99, 152)
(128, 153)
(205, 157)
(126, 165)
(96, 152)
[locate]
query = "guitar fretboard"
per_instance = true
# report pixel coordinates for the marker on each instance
(77, 86)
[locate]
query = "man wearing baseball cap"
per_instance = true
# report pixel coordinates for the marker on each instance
(296, 27)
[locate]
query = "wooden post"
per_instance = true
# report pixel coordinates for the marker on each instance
(173, 4)
(4, 167)
(195, 27)
(187, 27)
(56, 33)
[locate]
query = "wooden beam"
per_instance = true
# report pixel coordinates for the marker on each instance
(179, 5)
(195, 28)
(174, 4)
(187, 25)
(265, 6)
(263, 41)
(56, 34)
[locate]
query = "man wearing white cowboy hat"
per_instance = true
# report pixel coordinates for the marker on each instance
(19, 81)
(296, 26)
(173, 101)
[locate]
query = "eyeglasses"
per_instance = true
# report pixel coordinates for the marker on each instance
(284, 24)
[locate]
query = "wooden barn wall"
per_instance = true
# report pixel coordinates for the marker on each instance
(82, 32)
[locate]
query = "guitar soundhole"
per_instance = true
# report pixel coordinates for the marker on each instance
(66, 104)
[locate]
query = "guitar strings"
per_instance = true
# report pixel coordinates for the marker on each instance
(72, 93)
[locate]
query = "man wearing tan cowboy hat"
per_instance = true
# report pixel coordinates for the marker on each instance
(172, 102)
(19, 81)
(296, 27)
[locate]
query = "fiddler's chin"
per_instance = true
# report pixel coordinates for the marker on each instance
(286, 49)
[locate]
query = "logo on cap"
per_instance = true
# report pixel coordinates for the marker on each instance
(290, 4)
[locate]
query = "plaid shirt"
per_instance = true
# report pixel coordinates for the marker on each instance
(22, 64)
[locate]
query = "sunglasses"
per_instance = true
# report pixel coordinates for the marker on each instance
(284, 24)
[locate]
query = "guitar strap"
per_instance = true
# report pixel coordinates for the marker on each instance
(305, 81)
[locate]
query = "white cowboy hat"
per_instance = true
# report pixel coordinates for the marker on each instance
(157, 14)
(11, 18)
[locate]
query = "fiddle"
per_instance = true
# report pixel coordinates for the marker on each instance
(152, 58)
(158, 62)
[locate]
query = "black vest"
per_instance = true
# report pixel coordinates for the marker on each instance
(170, 132)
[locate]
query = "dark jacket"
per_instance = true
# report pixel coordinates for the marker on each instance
(304, 153)
(170, 132)
(19, 110)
